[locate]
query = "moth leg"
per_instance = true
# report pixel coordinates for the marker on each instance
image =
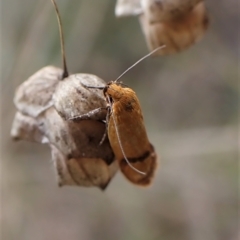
(98, 114)
(89, 86)
(106, 126)
(103, 137)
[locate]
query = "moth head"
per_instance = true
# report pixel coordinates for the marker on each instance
(113, 92)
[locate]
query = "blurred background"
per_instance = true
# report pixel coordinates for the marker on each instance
(190, 105)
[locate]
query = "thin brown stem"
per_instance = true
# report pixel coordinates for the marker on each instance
(65, 70)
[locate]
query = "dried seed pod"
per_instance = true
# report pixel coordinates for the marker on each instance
(177, 24)
(85, 172)
(60, 166)
(35, 94)
(76, 139)
(72, 99)
(128, 8)
(176, 34)
(167, 10)
(87, 163)
(91, 171)
(78, 158)
(27, 128)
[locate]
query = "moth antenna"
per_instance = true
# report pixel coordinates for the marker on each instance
(65, 70)
(141, 59)
(121, 147)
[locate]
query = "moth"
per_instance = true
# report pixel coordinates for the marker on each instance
(126, 130)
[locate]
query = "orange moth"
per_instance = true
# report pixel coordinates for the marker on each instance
(126, 131)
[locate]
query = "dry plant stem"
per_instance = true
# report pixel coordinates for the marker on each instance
(65, 70)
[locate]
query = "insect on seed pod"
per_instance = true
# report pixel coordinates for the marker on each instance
(126, 130)
(126, 133)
